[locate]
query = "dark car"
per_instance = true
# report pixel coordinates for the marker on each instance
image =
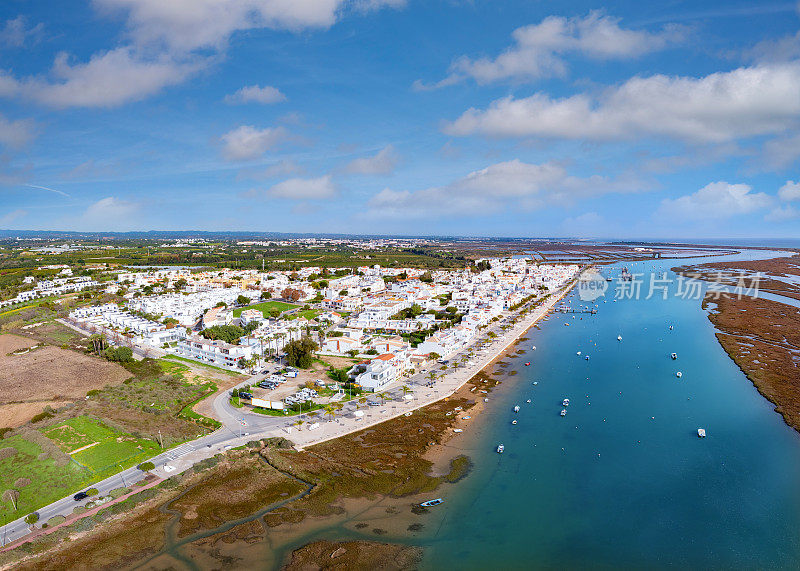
(80, 496)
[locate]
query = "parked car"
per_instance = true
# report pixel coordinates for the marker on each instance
(80, 496)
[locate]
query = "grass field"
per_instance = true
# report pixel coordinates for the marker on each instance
(104, 450)
(47, 481)
(168, 358)
(265, 307)
(307, 313)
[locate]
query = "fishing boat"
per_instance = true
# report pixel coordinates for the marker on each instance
(565, 402)
(619, 337)
(587, 357)
(670, 327)
(563, 412)
(516, 408)
(529, 400)
(674, 356)
(514, 421)
(431, 503)
(533, 348)
(578, 353)
(535, 382)
(701, 432)
(679, 374)
(527, 364)
(500, 448)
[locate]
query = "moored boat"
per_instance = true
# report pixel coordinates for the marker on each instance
(431, 503)
(701, 432)
(500, 448)
(516, 408)
(674, 356)
(679, 374)
(563, 412)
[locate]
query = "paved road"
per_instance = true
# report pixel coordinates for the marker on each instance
(241, 425)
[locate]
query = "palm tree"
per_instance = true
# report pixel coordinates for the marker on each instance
(362, 400)
(299, 423)
(406, 389)
(329, 410)
(384, 396)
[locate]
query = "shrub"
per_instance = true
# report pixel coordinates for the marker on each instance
(146, 466)
(31, 519)
(7, 452)
(56, 520)
(92, 492)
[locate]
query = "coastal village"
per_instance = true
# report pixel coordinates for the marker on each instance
(392, 321)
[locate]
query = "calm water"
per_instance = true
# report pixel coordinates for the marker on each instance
(623, 480)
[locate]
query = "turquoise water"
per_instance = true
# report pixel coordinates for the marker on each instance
(623, 480)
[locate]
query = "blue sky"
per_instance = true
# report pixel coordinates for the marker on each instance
(510, 118)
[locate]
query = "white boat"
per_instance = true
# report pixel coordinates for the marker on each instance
(535, 382)
(679, 374)
(563, 412)
(578, 353)
(701, 432)
(565, 402)
(533, 348)
(619, 337)
(674, 356)
(500, 448)
(431, 503)
(587, 357)
(516, 408)
(670, 327)
(458, 430)
(514, 421)
(529, 400)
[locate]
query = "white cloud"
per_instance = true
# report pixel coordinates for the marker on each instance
(8, 218)
(782, 213)
(786, 48)
(789, 191)
(538, 50)
(110, 213)
(247, 143)
(491, 189)
(255, 94)
(16, 32)
(384, 162)
(781, 152)
(714, 201)
(186, 25)
(720, 107)
(304, 188)
(108, 79)
(16, 134)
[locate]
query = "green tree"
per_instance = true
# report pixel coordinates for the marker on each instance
(299, 353)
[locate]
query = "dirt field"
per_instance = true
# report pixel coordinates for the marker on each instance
(9, 343)
(14, 415)
(50, 373)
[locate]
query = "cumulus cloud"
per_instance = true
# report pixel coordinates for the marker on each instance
(186, 25)
(720, 107)
(716, 200)
(247, 142)
(492, 188)
(384, 162)
(255, 94)
(304, 188)
(108, 79)
(16, 33)
(539, 49)
(789, 191)
(16, 134)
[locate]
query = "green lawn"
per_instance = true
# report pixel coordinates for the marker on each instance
(48, 482)
(265, 307)
(307, 313)
(198, 363)
(110, 450)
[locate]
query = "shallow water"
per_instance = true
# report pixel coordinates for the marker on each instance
(623, 480)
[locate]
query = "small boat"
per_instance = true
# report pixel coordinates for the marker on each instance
(565, 402)
(679, 374)
(431, 503)
(514, 421)
(516, 408)
(578, 353)
(535, 382)
(528, 364)
(533, 348)
(529, 400)
(670, 327)
(587, 357)
(619, 337)
(674, 356)
(458, 430)
(563, 412)
(701, 432)
(500, 448)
